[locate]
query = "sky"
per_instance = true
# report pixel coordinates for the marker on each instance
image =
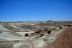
(35, 10)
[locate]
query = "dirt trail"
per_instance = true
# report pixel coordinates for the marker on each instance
(64, 41)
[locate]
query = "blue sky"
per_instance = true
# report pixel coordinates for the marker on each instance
(35, 10)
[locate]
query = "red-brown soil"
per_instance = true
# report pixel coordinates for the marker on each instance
(64, 41)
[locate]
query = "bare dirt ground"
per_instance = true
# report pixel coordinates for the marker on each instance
(64, 41)
(43, 35)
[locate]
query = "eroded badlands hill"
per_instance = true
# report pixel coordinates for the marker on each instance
(35, 35)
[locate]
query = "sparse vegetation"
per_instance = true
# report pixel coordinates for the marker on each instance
(38, 35)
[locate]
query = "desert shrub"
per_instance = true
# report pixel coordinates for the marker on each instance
(49, 31)
(60, 27)
(41, 35)
(45, 29)
(38, 31)
(69, 25)
(26, 34)
(53, 28)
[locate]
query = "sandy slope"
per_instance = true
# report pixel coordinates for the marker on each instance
(47, 41)
(64, 41)
(37, 43)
